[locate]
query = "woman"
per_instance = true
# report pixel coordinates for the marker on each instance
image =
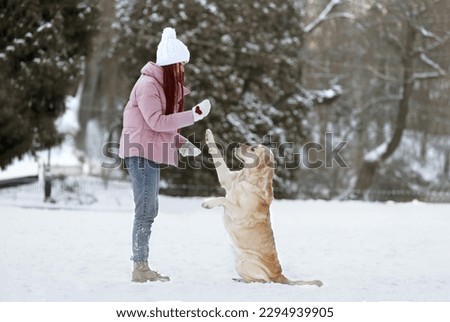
(150, 137)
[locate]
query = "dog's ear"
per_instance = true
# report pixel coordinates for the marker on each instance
(265, 160)
(266, 170)
(269, 159)
(266, 183)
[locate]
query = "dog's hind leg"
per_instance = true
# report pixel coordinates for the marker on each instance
(251, 270)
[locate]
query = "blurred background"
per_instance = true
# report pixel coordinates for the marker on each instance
(374, 74)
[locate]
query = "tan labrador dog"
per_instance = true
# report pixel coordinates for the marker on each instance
(248, 197)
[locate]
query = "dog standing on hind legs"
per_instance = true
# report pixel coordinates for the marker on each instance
(247, 201)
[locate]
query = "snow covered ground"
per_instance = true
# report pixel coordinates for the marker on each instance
(361, 251)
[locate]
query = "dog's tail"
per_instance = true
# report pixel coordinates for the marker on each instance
(284, 280)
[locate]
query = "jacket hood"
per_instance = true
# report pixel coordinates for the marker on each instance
(153, 70)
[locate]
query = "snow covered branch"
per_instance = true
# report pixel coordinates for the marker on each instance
(427, 60)
(439, 42)
(341, 15)
(393, 40)
(426, 75)
(438, 70)
(375, 154)
(380, 75)
(322, 16)
(428, 34)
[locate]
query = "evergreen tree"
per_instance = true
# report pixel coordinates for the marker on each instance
(42, 45)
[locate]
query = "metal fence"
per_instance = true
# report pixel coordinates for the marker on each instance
(84, 189)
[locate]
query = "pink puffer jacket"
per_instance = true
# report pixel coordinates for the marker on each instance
(147, 131)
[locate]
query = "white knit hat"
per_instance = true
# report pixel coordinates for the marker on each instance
(170, 49)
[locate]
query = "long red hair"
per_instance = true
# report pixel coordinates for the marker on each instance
(173, 88)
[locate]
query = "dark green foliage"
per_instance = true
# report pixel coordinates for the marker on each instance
(42, 44)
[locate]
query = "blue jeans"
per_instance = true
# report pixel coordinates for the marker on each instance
(144, 176)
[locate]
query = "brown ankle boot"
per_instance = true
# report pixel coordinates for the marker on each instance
(142, 273)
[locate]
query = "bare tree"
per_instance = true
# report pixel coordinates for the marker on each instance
(402, 31)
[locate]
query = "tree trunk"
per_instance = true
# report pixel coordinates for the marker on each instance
(369, 169)
(97, 73)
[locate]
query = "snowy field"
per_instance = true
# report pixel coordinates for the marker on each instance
(361, 251)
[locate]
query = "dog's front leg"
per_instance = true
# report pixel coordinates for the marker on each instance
(213, 202)
(224, 174)
(220, 201)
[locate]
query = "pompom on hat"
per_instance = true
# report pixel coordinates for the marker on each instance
(171, 50)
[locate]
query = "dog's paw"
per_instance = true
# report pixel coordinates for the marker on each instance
(240, 280)
(208, 204)
(209, 137)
